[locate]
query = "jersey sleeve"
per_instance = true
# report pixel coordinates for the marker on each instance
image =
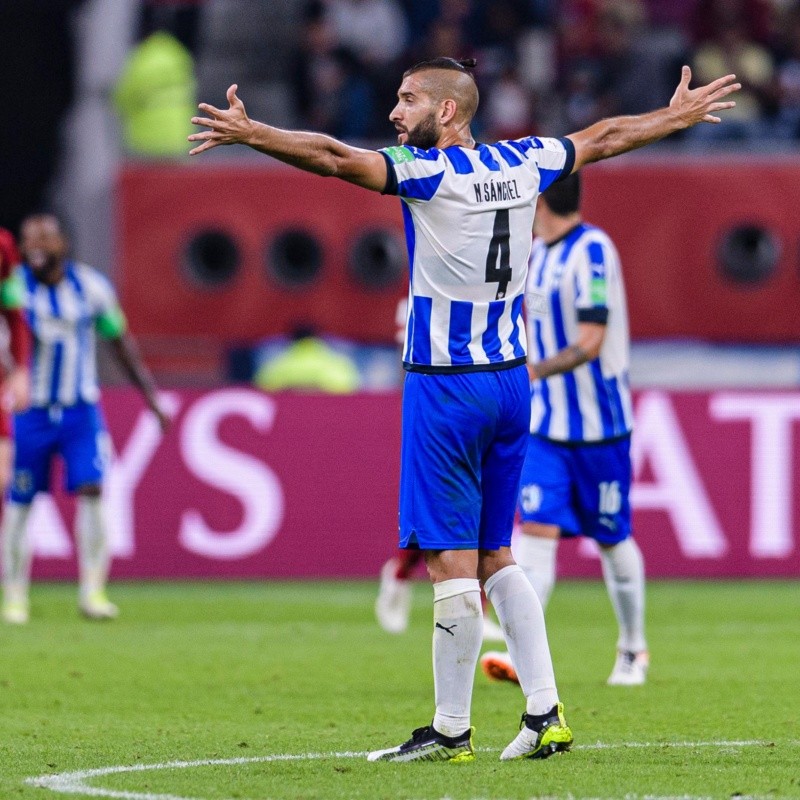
(553, 158)
(412, 173)
(591, 278)
(111, 324)
(12, 291)
(13, 301)
(109, 318)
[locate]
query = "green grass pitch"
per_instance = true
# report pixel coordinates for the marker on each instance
(247, 672)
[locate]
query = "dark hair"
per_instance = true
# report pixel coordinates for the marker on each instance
(465, 65)
(564, 196)
(46, 213)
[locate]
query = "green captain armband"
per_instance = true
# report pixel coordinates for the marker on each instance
(12, 292)
(111, 324)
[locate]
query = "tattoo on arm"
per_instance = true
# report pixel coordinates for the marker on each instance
(563, 361)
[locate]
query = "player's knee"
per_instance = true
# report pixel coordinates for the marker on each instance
(492, 561)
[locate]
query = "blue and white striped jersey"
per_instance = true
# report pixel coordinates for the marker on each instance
(579, 279)
(468, 215)
(62, 319)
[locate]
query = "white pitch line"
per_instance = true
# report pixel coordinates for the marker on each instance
(75, 782)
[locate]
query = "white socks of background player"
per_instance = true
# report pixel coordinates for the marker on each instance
(623, 570)
(536, 555)
(457, 637)
(522, 619)
(16, 553)
(90, 535)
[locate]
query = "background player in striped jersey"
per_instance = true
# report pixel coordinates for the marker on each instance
(577, 473)
(14, 354)
(66, 302)
(468, 210)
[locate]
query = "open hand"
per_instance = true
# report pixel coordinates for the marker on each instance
(702, 103)
(227, 126)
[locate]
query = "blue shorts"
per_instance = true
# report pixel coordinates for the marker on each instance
(76, 433)
(463, 443)
(584, 489)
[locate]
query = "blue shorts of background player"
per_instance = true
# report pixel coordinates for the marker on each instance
(76, 433)
(463, 444)
(581, 488)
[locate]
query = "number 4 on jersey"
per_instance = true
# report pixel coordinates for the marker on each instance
(498, 260)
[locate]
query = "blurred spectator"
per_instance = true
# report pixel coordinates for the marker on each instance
(333, 91)
(356, 110)
(731, 49)
(613, 67)
(788, 78)
(375, 30)
(577, 27)
(311, 364)
(445, 37)
(314, 69)
(420, 14)
(181, 18)
(754, 15)
(546, 65)
(372, 36)
(582, 104)
(677, 14)
(495, 26)
(630, 72)
(156, 97)
(509, 108)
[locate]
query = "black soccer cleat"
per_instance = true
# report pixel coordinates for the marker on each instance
(551, 735)
(427, 744)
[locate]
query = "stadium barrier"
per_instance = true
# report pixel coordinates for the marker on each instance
(239, 252)
(248, 485)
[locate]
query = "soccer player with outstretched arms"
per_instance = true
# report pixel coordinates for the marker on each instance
(468, 209)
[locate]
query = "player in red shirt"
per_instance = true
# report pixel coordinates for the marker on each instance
(15, 351)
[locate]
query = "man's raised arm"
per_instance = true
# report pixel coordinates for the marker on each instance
(688, 107)
(313, 152)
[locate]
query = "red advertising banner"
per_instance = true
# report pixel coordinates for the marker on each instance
(669, 218)
(248, 485)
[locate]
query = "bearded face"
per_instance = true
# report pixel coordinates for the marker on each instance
(425, 134)
(42, 244)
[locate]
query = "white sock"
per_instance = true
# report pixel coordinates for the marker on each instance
(537, 557)
(16, 552)
(457, 636)
(623, 571)
(90, 534)
(521, 615)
